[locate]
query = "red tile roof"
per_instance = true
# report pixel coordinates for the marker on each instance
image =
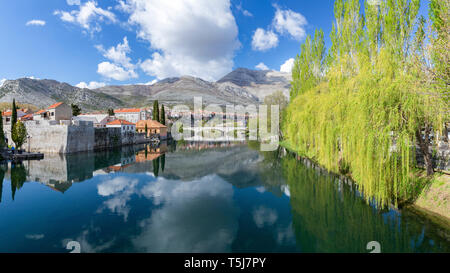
(119, 122)
(27, 117)
(39, 112)
(128, 110)
(55, 105)
(150, 124)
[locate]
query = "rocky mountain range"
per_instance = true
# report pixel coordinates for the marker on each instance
(241, 86)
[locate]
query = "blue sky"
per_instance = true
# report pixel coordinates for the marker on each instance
(138, 41)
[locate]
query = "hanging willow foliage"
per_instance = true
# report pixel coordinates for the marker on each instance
(362, 111)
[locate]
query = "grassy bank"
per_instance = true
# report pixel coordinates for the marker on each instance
(435, 196)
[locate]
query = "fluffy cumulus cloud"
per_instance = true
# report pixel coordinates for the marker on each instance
(120, 68)
(40, 23)
(264, 40)
(287, 66)
(290, 22)
(188, 37)
(193, 216)
(285, 22)
(91, 85)
(114, 71)
(118, 54)
(87, 15)
(261, 66)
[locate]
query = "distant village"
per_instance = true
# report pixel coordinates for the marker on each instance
(56, 129)
(62, 128)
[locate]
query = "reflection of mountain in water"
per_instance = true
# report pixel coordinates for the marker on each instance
(234, 162)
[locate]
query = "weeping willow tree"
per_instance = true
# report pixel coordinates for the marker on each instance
(364, 107)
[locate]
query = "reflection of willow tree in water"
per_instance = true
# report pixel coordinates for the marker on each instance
(328, 216)
(18, 177)
(3, 170)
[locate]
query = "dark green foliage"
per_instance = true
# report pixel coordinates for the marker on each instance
(14, 114)
(18, 177)
(163, 116)
(76, 110)
(2, 133)
(155, 111)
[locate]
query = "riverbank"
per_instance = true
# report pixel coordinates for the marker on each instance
(435, 197)
(432, 201)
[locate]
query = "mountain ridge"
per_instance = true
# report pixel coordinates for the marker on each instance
(241, 86)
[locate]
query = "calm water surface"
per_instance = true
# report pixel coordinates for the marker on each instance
(195, 198)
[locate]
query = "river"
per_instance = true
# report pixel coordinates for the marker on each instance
(196, 197)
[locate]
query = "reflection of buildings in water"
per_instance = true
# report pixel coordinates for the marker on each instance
(59, 172)
(199, 145)
(125, 162)
(149, 153)
(152, 152)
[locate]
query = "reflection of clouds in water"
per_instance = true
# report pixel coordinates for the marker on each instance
(285, 190)
(112, 186)
(264, 216)
(286, 235)
(196, 216)
(121, 189)
(34, 236)
(260, 189)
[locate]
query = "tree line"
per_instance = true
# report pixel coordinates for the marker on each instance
(381, 89)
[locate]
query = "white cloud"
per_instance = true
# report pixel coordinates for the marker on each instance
(121, 67)
(261, 66)
(287, 66)
(191, 37)
(113, 71)
(34, 236)
(244, 11)
(118, 54)
(73, 2)
(88, 16)
(191, 216)
(264, 216)
(148, 83)
(35, 23)
(264, 40)
(91, 85)
(120, 190)
(290, 22)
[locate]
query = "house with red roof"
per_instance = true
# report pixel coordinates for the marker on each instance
(125, 126)
(6, 115)
(152, 127)
(58, 111)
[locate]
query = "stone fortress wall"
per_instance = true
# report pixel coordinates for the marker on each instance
(73, 136)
